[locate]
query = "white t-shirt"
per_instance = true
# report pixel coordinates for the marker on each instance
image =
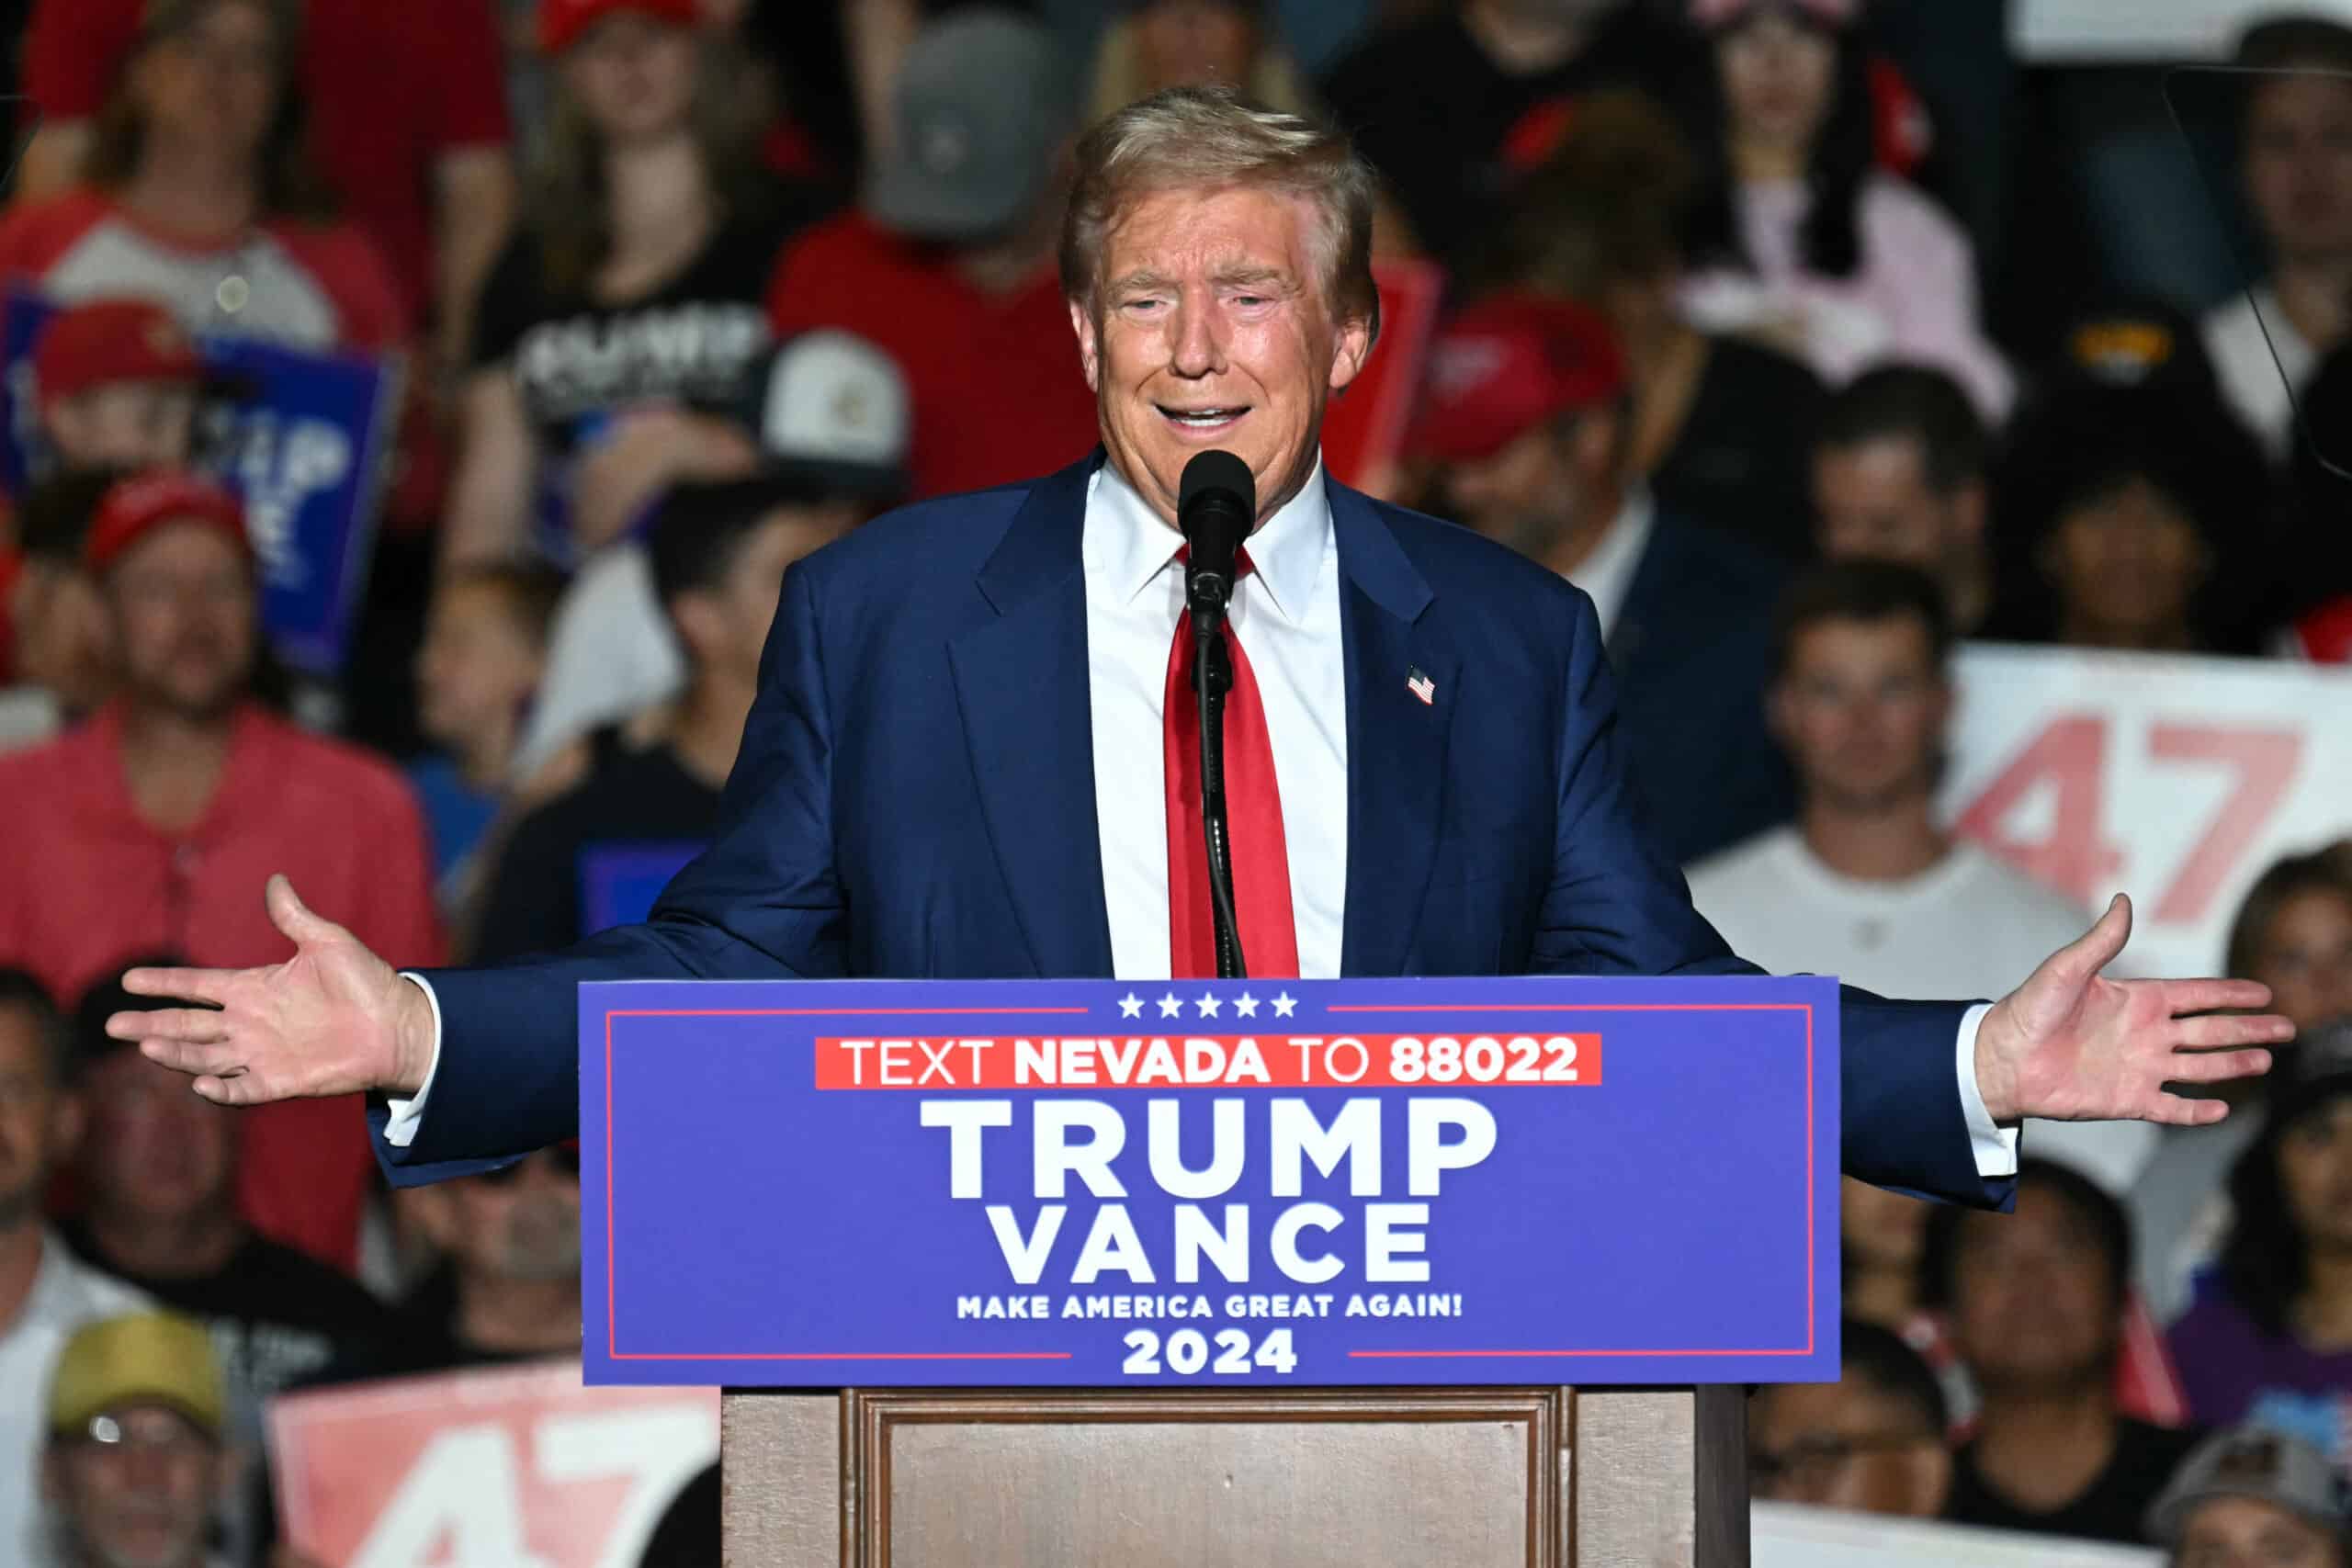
(610, 654)
(2253, 383)
(66, 1294)
(1970, 927)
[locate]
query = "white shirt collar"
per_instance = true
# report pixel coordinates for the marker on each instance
(1607, 573)
(1285, 551)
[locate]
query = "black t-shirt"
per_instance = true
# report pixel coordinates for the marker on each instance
(2114, 1507)
(1435, 115)
(1742, 461)
(695, 342)
(419, 1336)
(594, 857)
(278, 1317)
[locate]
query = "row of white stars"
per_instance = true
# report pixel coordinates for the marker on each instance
(1172, 1006)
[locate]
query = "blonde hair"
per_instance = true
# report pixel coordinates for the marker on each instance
(1196, 136)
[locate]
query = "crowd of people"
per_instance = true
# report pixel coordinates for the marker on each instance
(673, 292)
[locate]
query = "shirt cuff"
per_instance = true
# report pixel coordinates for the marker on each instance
(1996, 1147)
(407, 1115)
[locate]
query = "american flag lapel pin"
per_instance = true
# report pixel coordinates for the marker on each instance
(1421, 686)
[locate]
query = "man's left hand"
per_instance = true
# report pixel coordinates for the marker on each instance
(2071, 1045)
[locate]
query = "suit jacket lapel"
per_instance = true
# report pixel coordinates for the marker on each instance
(1395, 742)
(1021, 685)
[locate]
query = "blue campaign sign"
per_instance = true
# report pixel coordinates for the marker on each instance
(306, 450)
(619, 882)
(1207, 1183)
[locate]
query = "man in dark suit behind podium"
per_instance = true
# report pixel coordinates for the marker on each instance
(972, 752)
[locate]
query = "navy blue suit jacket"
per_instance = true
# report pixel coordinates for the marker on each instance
(915, 798)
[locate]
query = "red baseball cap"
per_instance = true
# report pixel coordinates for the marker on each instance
(105, 341)
(563, 21)
(1505, 365)
(138, 506)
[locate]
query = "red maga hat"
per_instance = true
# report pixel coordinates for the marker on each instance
(138, 506)
(105, 341)
(563, 21)
(1505, 366)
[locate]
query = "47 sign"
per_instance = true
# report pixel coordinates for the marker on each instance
(2175, 780)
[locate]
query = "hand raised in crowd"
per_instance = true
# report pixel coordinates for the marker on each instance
(2071, 1046)
(333, 1019)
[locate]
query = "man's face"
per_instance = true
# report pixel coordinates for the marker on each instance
(1875, 504)
(2245, 1532)
(2033, 1304)
(64, 634)
(1882, 1229)
(520, 1224)
(1860, 711)
(156, 1152)
(727, 627)
(2315, 1168)
(143, 1500)
(477, 665)
(184, 615)
(2298, 163)
(38, 1120)
(125, 424)
(1845, 1445)
(1215, 333)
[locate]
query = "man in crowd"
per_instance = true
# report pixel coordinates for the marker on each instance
(45, 1292)
(1449, 109)
(1900, 473)
(122, 386)
(124, 833)
(1874, 1440)
(949, 266)
(157, 1177)
(1218, 282)
(509, 1289)
(2251, 1498)
(138, 1455)
(57, 655)
(1527, 416)
(596, 856)
(2036, 1306)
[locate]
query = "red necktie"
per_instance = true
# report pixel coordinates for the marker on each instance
(1253, 810)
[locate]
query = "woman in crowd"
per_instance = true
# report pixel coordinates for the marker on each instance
(198, 193)
(2272, 1340)
(2293, 932)
(1189, 43)
(1722, 426)
(1796, 237)
(623, 326)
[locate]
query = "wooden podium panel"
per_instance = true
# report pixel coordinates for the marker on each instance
(1389, 1478)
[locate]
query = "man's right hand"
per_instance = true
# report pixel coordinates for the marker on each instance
(333, 1019)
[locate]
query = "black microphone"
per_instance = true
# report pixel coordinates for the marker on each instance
(1216, 501)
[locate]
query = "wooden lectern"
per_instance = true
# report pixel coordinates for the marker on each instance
(1334, 1477)
(1381, 1273)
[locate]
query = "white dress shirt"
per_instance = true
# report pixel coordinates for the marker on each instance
(1286, 614)
(1606, 573)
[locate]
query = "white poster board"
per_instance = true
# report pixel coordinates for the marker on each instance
(2096, 32)
(1786, 1536)
(2174, 779)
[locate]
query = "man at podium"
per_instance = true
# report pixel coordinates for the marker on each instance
(974, 751)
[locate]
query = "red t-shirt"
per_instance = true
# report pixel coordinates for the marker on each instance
(997, 392)
(391, 85)
(12, 571)
(317, 286)
(85, 884)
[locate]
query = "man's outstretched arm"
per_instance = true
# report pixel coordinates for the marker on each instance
(499, 1047)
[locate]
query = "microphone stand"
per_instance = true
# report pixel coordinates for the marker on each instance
(1212, 679)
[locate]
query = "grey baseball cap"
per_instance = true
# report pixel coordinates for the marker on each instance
(2254, 1462)
(984, 100)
